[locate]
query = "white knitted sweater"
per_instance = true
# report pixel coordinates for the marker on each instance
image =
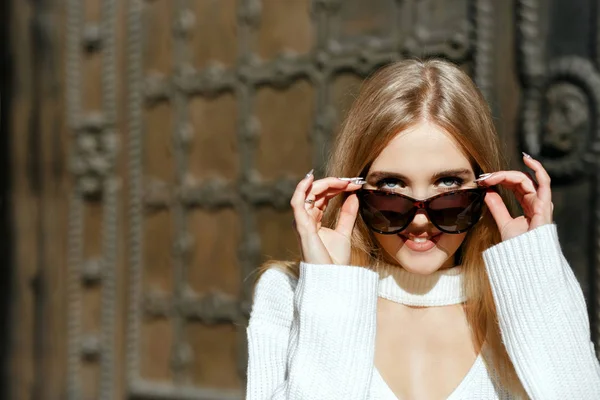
(314, 338)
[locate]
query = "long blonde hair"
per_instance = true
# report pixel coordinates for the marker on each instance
(393, 99)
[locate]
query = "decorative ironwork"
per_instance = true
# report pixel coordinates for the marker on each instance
(483, 15)
(92, 272)
(560, 123)
(561, 120)
(563, 135)
(73, 101)
(91, 347)
(135, 102)
(329, 58)
(568, 114)
(95, 155)
(157, 195)
(179, 100)
(92, 38)
(95, 152)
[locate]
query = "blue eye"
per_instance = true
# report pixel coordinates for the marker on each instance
(451, 182)
(389, 183)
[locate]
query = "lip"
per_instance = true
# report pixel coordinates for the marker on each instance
(420, 247)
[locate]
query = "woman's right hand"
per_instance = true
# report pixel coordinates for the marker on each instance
(320, 245)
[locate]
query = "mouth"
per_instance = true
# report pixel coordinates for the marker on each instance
(420, 243)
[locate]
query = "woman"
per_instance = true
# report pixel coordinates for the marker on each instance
(416, 282)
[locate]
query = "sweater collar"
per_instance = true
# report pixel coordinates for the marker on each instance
(441, 288)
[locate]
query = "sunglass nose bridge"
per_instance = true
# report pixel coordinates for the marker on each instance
(419, 204)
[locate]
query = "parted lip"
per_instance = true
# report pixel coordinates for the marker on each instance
(425, 235)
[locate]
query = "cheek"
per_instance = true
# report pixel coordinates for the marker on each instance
(389, 243)
(450, 243)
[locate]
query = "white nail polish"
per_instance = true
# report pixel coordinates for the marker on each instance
(358, 178)
(483, 177)
(310, 173)
(526, 155)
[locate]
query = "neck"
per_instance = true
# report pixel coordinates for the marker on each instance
(440, 288)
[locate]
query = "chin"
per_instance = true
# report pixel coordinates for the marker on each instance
(424, 263)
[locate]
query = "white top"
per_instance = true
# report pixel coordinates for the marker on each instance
(314, 338)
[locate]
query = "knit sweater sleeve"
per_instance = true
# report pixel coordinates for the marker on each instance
(313, 339)
(543, 317)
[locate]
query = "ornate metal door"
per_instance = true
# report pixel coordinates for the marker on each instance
(156, 144)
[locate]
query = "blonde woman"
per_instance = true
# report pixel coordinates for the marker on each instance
(415, 281)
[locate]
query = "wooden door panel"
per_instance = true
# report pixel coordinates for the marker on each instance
(156, 144)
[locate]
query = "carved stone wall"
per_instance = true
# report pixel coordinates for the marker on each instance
(560, 123)
(165, 140)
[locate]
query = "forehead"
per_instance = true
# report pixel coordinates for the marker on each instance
(421, 151)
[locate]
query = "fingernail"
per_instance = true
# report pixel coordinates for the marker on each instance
(483, 177)
(310, 173)
(353, 180)
(526, 155)
(359, 182)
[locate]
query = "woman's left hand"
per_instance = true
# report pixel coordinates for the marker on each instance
(536, 202)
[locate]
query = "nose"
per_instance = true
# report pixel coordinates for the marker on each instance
(421, 219)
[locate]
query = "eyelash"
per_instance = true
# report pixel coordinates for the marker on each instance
(455, 179)
(458, 182)
(383, 181)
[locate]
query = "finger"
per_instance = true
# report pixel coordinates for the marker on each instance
(514, 180)
(543, 178)
(297, 202)
(497, 209)
(322, 202)
(347, 217)
(323, 199)
(533, 179)
(527, 202)
(322, 185)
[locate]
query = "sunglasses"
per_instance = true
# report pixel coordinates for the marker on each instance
(388, 213)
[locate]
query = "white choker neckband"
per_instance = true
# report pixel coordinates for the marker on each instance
(441, 288)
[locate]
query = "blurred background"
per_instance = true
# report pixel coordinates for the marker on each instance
(150, 148)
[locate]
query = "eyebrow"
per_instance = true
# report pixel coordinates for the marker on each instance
(379, 175)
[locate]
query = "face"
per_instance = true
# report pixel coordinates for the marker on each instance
(421, 162)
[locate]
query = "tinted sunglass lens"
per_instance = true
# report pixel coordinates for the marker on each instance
(385, 213)
(456, 212)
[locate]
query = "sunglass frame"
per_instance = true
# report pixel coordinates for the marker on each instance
(417, 205)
